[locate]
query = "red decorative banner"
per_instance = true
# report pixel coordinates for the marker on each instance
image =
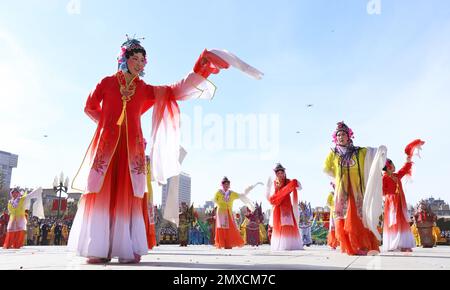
(63, 205)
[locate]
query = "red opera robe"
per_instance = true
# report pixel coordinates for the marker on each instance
(110, 221)
(397, 234)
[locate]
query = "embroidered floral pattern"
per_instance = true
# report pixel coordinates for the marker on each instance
(139, 166)
(99, 164)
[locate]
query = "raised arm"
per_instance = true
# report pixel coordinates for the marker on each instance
(166, 116)
(406, 169)
(195, 85)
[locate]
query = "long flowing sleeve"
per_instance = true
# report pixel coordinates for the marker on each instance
(166, 122)
(243, 197)
(373, 196)
(38, 207)
(328, 167)
(368, 160)
(294, 200)
(405, 170)
(35, 193)
(216, 198)
(277, 198)
(247, 202)
(270, 189)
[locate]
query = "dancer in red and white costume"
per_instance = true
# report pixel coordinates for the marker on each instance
(111, 217)
(282, 194)
(397, 235)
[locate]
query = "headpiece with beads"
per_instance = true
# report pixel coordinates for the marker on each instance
(341, 126)
(126, 48)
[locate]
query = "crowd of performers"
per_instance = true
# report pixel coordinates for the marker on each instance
(199, 229)
(19, 228)
(39, 232)
(116, 216)
(356, 203)
(291, 223)
(364, 180)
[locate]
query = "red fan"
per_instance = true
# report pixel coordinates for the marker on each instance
(411, 147)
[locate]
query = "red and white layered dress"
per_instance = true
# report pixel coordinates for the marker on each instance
(284, 217)
(112, 218)
(397, 233)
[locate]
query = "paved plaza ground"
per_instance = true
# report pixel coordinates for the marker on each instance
(173, 257)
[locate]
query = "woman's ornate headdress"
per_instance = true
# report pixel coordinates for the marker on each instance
(341, 126)
(128, 46)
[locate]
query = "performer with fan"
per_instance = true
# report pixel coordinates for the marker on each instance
(351, 166)
(397, 233)
(111, 221)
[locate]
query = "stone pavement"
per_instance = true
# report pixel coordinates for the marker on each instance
(173, 257)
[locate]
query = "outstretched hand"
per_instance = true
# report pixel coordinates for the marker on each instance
(209, 63)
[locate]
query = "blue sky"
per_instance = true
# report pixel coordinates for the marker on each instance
(387, 75)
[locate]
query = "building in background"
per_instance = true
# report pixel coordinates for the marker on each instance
(439, 206)
(184, 189)
(8, 161)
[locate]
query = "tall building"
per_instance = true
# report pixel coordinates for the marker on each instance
(8, 161)
(184, 189)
